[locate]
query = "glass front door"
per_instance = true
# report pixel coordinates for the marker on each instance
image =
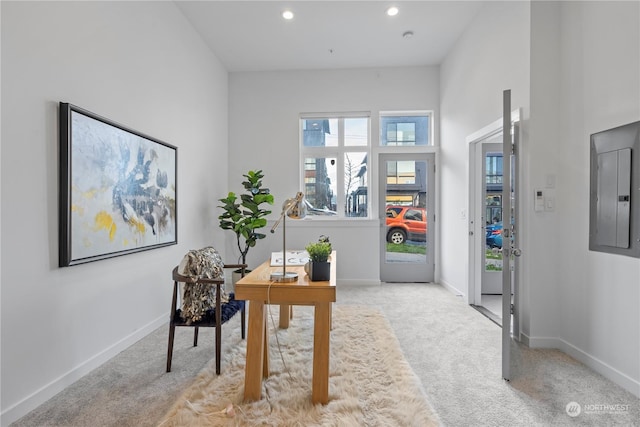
(406, 211)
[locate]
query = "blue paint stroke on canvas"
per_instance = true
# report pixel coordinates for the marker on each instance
(138, 194)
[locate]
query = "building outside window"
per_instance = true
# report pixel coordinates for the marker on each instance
(493, 167)
(405, 184)
(335, 153)
(405, 129)
(334, 157)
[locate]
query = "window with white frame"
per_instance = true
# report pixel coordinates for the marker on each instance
(335, 149)
(401, 129)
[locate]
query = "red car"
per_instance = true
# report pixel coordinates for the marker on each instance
(406, 223)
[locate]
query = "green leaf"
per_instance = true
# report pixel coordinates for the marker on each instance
(245, 215)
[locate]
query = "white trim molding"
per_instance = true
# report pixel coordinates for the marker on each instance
(606, 370)
(46, 392)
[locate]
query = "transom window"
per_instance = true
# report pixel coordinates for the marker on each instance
(405, 129)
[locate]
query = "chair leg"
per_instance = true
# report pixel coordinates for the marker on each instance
(218, 345)
(195, 336)
(172, 331)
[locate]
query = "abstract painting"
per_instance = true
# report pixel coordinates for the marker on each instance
(117, 189)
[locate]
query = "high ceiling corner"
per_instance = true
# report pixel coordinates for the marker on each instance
(328, 34)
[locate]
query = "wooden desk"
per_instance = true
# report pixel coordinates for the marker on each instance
(257, 288)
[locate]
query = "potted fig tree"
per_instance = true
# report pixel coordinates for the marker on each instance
(246, 216)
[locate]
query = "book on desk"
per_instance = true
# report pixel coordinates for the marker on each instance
(294, 258)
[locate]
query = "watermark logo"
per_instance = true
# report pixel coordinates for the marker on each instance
(573, 409)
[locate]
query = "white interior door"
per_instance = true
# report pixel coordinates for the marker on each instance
(407, 195)
(505, 133)
(510, 250)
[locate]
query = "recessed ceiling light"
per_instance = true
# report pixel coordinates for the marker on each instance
(287, 14)
(392, 11)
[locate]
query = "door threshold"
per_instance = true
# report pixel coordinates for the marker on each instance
(488, 314)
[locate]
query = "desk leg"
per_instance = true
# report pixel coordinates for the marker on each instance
(255, 351)
(285, 309)
(321, 337)
(265, 358)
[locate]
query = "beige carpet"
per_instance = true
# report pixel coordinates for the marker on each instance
(370, 384)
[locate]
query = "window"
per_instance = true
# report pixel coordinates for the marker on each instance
(401, 172)
(401, 133)
(405, 129)
(334, 156)
(413, 215)
(493, 165)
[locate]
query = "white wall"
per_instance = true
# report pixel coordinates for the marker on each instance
(491, 56)
(142, 65)
(264, 111)
(598, 87)
(579, 61)
(543, 160)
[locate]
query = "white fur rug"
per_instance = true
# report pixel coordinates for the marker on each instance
(370, 384)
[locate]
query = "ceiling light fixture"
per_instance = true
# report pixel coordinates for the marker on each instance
(287, 14)
(392, 11)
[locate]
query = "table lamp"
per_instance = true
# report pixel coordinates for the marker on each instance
(294, 208)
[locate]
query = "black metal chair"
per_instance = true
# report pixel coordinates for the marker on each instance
(214, 318)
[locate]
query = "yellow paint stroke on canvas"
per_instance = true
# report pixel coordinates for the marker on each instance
(137, 224)
(90, 194)
(78, 209)
(104, 221)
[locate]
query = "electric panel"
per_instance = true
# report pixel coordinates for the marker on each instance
(614, 211)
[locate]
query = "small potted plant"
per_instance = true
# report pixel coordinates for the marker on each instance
(319, 265)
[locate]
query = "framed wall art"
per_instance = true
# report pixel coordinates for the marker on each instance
(118, 189)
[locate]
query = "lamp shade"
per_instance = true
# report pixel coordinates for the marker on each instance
(297, 207)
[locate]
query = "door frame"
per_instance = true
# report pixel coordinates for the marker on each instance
(474, 209)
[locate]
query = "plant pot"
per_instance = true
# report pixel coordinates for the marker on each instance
(235, 276)
(319, 271)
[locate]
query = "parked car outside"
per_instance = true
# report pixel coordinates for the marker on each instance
(494, 235)
(406, 223)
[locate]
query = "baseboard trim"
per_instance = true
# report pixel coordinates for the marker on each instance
(453, 290)
(357, 282)
(46, 392)
(604, 369)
